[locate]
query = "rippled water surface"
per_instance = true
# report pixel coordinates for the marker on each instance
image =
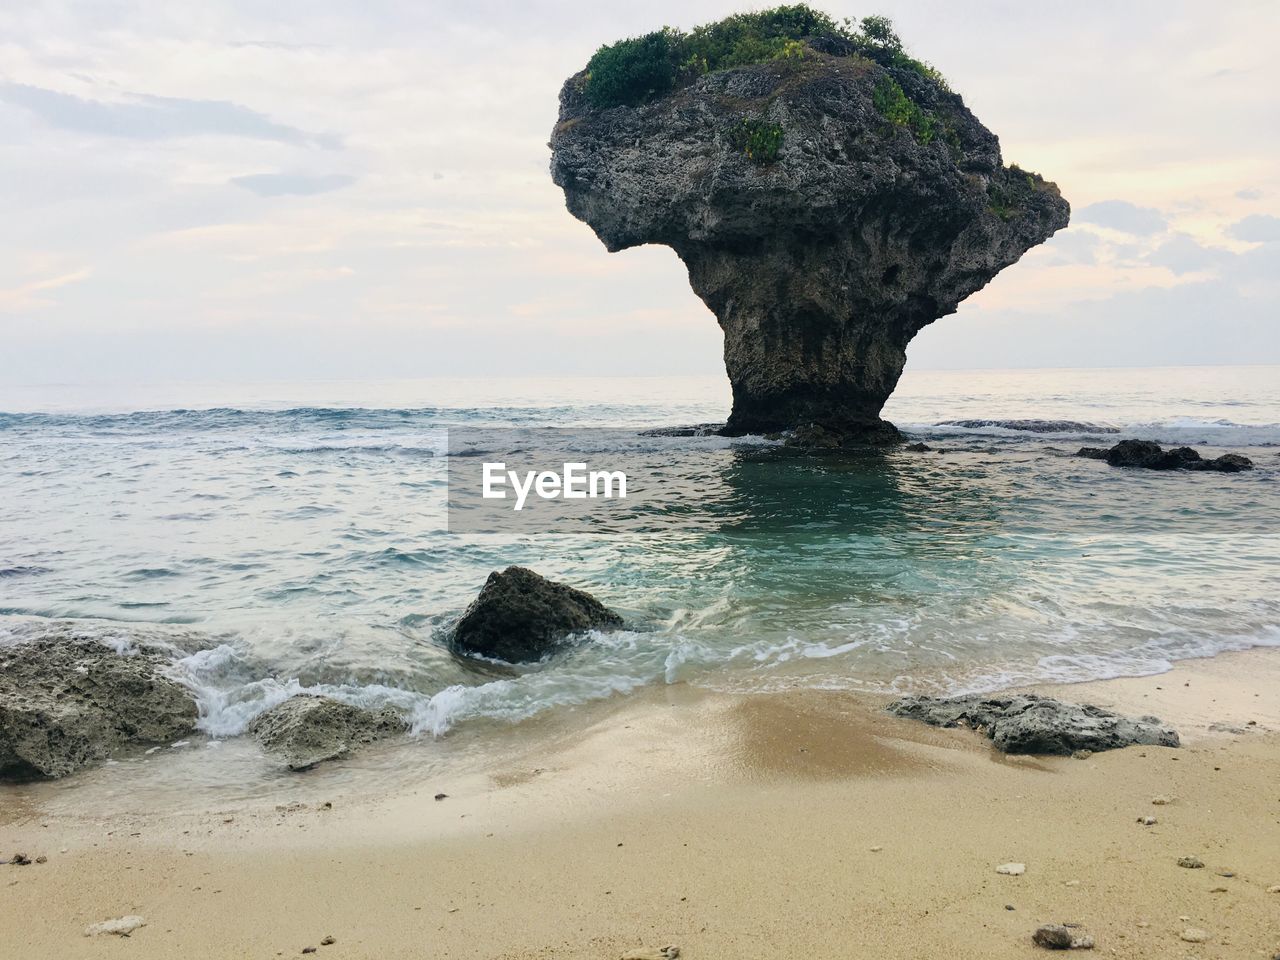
(296, 534)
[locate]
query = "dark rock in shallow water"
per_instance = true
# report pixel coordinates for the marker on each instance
(1033, 426)
(823, 254)
(1026, 723)
(692, 430)
(1149, 455)
(520, 617)
(918, 447)
(68, 701)
(306, 729)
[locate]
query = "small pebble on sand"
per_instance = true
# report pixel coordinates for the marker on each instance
(1012, 869)
(1191, 863)
(328, 942)
(1148, 821)
(1161, 800)
(1275, 889)
(1194, 935)
(876, 849)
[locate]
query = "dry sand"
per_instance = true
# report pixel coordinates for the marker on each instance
(797, 824)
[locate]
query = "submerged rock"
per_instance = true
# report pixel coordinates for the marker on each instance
(68, 700)
(520, 617)
(1026, 723)
(828, 204)
(1033, 426)
(306, 729)
(1149, 455)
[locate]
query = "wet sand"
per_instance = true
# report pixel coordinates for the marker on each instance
(800, 824)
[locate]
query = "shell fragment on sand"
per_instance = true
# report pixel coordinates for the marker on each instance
(660, 953)
(1012, 869)
(119, 926)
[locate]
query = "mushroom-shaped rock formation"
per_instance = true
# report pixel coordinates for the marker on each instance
(829, 195)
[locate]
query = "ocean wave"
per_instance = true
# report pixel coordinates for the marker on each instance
(232, 685)
(1175, 430)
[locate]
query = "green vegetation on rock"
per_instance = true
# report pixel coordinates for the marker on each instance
(896, 107)
(639, 69)
(759, 140)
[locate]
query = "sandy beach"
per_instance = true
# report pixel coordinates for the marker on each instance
(803, 824)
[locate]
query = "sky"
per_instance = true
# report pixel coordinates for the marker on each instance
(302, 190)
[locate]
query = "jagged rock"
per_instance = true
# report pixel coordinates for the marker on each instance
(1026, 723)
(1033, 426)
(692, 430)
(823, 257)
(68, 700)
(306, 729)
(1149, 455)
(521, 617)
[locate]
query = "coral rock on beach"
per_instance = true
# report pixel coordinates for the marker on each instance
(1057, 936)
(68, 700)
(305, 729)
(1148, 455)
(1026, 723)
(829, 205)
(520, 617)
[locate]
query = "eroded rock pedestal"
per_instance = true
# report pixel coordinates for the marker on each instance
(823, 259)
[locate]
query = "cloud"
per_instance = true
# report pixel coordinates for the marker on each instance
(144, 117)
(292, 184)
(1256, 228)
(1182, 254)
(1249, 193)
(1123, 216)
(1074, 247)
(27, 296)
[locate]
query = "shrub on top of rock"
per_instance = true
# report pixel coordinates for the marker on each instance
(638, 69)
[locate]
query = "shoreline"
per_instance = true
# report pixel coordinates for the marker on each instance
(805, 822)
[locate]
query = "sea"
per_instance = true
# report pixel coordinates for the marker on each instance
(294, 537)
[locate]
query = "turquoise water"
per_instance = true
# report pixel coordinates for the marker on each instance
(295, 533)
